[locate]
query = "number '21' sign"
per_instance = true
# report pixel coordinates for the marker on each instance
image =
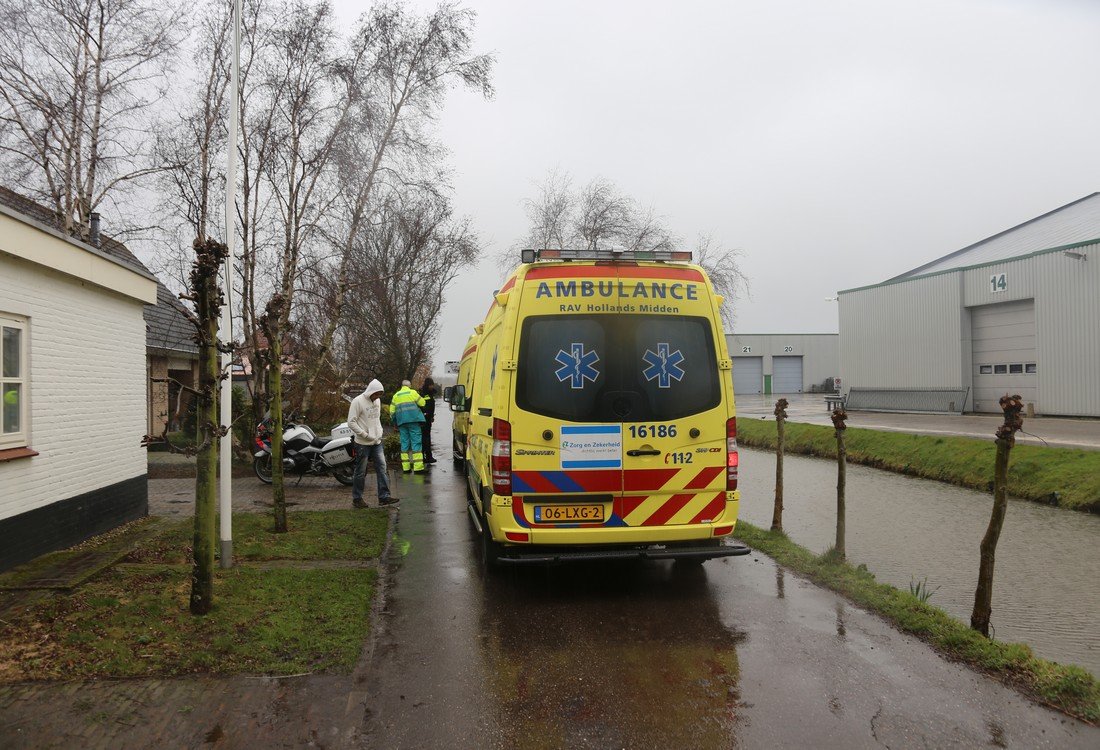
(998, 282)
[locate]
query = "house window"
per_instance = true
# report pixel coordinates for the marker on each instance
(985, 370)
(1000, 369)
(1015, 369)
(1030, 368)
(14, 381)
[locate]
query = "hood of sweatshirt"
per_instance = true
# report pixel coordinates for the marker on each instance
(372, 387)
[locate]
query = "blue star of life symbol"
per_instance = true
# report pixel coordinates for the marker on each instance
(577, 365)
(663, 367)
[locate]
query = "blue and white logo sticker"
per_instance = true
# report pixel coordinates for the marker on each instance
(595, 446)
(577, 365)
(664, 367)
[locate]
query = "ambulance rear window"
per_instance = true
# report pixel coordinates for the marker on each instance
(617, 368)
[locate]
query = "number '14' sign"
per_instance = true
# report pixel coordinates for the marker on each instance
(998, 282)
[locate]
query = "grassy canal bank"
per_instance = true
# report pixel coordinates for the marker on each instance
(1070, 689)
(1066, 477)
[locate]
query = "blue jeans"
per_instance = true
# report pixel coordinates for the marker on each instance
(362, 454)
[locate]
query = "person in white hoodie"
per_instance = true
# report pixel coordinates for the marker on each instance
(365, 420)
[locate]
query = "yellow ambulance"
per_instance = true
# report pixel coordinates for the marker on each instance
(598, 416)
(461, 423)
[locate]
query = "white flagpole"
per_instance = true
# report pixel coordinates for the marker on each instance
(225, 481)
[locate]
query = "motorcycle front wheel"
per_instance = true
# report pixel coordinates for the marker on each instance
(262, 467)
(345, 473)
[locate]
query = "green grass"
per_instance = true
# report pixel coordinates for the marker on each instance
(132, 619)
(312, 535)
(133, 623)
(1035, 472)
(1068, 688)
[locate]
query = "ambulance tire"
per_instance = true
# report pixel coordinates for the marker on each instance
(456, 454)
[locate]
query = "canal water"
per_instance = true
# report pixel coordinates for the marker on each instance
(1046, 588)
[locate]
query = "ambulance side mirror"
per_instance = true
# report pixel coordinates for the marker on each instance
(447, 391)
(458, 398)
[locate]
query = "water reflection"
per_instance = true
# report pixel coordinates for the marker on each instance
(624, 655)
(1047, 587)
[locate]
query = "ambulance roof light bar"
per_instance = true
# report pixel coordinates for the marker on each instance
(529, 255)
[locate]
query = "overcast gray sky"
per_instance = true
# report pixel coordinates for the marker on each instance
(836, 144)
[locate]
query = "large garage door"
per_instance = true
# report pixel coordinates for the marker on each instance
(1004, 353)
(786, 374)
(748, 375)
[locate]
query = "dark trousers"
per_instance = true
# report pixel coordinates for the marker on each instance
(426, 440)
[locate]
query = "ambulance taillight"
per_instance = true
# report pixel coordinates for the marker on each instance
(502, 457)
(732, 459)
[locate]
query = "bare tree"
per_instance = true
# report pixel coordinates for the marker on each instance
(604, 215)
(407, 260)
(724, 269)
(551, 213)
(190, 150)
(600, 216)
(78, 81)
(399, 68)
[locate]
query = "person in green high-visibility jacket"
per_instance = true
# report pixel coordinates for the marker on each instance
(405, 409)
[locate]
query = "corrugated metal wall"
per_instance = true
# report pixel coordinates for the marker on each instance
(819, 352)
(904, 335)
(916, 334)
(1066, 291)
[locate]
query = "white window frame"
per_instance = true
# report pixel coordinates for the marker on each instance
(19, 439)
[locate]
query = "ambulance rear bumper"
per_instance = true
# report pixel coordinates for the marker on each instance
(550, 555)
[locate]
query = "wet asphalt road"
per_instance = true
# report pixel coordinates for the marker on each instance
(737, 653)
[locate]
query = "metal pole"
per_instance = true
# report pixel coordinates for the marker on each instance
(225, 480)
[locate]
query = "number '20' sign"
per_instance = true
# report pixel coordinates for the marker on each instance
(998, 282)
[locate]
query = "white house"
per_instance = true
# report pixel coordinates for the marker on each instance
(73, 384)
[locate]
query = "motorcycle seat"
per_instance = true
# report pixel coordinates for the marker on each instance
(321, 442)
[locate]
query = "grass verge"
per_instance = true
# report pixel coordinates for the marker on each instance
(132, 620)
(1070, 689)
(1067, 477)
(135, 623)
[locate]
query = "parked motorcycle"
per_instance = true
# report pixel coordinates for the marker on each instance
(305, 454)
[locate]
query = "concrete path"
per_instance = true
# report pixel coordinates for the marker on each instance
(810, 408)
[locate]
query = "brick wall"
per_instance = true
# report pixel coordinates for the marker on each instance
(158, 394)
(87, 388)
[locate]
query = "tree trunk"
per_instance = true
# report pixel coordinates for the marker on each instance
(207, 296)
(777, 511)
(983, 596)
(1006, 438)
(841, 482)
(278, 486)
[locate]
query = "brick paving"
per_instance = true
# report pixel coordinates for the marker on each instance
(176, 497)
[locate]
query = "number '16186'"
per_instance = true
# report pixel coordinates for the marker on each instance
(652, 430)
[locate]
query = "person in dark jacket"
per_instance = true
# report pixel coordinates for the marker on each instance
(429, 391)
